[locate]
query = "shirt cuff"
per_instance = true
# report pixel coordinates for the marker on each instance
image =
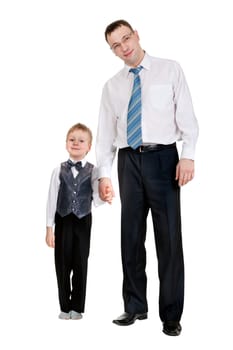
(50, 222)
(104, 172)
(187, 152)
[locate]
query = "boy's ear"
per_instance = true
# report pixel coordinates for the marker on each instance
(89, 147)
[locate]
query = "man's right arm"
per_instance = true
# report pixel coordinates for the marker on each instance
(105, 149)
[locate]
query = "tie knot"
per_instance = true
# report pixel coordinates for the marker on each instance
(77, 165)
(136, 71)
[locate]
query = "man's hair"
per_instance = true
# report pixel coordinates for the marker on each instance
(82, 127)
(114, 25)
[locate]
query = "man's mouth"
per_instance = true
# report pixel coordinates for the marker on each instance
(127, 54)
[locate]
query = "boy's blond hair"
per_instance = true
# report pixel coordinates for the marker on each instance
(80, 126)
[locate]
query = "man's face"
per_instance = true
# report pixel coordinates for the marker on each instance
(125, 44)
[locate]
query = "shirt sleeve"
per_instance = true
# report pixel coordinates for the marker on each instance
(52, 197)
(106, 134)
(184, 114)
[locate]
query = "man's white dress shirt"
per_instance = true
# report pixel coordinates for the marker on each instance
(167, 110)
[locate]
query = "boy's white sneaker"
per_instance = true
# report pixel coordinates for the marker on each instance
(64, 315)
(74, 315)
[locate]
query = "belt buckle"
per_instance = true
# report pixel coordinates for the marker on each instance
(140, 149)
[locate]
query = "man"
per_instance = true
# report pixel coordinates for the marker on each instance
(145, 109)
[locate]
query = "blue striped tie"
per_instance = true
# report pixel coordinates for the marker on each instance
(134, 130)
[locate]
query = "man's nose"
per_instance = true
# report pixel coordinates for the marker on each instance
(124, 46)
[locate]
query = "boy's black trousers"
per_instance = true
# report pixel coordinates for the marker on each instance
(72, 245)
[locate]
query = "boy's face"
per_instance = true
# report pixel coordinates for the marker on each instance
(78, 144)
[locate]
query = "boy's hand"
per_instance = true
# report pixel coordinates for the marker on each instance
(108, 195)
(50, 238)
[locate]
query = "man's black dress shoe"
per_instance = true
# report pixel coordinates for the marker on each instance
(172, 328)
(127, 319)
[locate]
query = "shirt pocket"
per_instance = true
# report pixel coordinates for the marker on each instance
(160, 96)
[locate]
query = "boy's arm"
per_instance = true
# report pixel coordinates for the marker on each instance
(51, 206)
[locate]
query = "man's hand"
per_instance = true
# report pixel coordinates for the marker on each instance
(106, 191)
(184, 171)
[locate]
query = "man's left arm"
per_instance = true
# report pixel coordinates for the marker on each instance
(188, 126)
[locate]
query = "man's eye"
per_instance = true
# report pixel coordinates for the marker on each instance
(115, 47)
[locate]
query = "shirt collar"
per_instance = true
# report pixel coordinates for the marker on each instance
(83, 161)
(145, 63)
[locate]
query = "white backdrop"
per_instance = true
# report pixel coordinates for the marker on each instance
(53, 64)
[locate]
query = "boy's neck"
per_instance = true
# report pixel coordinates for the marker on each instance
(77, 159)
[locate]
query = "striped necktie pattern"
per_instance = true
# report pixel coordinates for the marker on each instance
(134, 130)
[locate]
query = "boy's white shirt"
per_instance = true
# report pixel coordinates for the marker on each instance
(54, 189)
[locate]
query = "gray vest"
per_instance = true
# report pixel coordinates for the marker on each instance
(75, 193)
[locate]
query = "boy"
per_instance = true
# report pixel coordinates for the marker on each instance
(69, 208)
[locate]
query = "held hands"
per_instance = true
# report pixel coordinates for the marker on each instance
(50, 239)
(184, 171)
(106, 191)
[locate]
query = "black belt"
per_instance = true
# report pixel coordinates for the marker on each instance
(149, 148)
